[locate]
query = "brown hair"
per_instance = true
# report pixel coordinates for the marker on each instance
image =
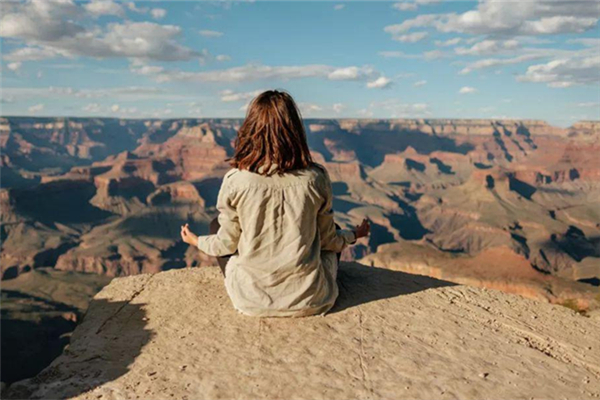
(272, 136)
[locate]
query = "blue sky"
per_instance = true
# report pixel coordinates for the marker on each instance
(409, 59)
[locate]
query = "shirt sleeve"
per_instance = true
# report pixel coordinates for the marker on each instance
(332, 239)
(225, 241)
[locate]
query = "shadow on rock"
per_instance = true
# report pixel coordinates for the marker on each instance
(360, 284)
(99, 353)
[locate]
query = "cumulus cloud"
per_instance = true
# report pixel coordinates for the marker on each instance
(256, 72)
(493, 17)
(434, 54)
(338, 108)
(123, 94)
(36, 108)
(405, 6)
(338, 7)
(14, 66)
(566, 72)
(487, 47)
(350, 73)
(589, 104)
(380, 83)
(223, 57)
(53, 28)
(133, 7)
(449, 42)
(210, 34)
(230, 95)
(420, 83)
(158, 13)
(40, 20)
(467, 90)
(34, 54)
(589, 42)
(427, 55)
(92, 108)
(309, 109)
(104, 7)
(397, 54)
(496, 62)
(412, 5)
(411, 37)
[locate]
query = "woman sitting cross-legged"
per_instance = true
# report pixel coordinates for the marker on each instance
(275, 238)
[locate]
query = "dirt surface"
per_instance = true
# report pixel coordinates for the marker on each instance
(391, 335)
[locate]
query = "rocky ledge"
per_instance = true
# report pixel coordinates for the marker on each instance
(392, 335)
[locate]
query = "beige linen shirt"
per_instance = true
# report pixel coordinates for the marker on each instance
(281, 233)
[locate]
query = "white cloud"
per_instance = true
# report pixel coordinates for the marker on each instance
(487, 47)
(467, 90)
(561, 73)
(104, 7)
(92, 108)
(338, 7)
(588, 42)
(54, 28)
(449, 42)
(493, 17)
(257, 72)
(427, 55)
(338, 107)
(591, 104)
(412, 5)
(411, 37)
(14, 66)
(33, 54)
(40, 20)
(434, 55)
(210, 34)
(380, 83)
(496, 62)
(396, 54)
(420, 83)
(122, 94)
(350, 73)
(230, 95)
(405, 6)
(417, 22)
(223, 58)
(115, 108)
(308, 109)
(36, 108)
(158, 13)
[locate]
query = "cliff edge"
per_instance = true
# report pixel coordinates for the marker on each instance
(391, 335)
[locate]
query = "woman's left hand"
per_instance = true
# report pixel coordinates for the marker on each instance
(188, 236)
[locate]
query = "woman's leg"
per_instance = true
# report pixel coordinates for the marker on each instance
(214, 228)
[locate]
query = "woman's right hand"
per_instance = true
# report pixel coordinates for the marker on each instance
(363, 229)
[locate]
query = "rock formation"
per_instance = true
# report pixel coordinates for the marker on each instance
(391, 335)
(114, 203)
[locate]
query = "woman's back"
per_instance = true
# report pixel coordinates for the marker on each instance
(276, 218)
(285, 263)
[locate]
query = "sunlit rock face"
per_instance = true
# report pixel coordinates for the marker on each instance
(108, 196)
(176, 335)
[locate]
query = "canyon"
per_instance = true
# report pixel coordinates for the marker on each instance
(511, 205)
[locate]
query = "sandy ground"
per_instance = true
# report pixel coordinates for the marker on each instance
(392, 335)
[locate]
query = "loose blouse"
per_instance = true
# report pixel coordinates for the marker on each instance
(281, 234)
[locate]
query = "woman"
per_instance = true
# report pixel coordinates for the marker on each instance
(275, 238)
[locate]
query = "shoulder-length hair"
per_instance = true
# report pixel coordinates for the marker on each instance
(272, 139)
